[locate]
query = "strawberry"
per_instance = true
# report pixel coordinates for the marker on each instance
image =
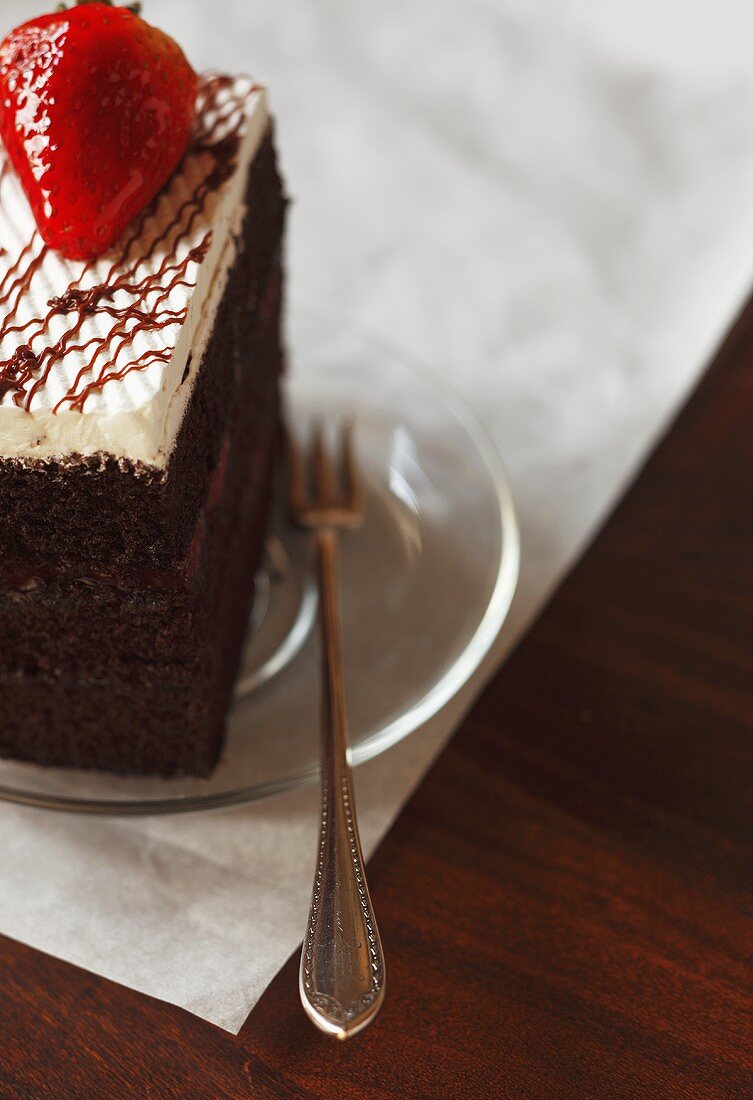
(96, 110)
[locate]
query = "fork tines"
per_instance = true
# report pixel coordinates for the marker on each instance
(324, 490)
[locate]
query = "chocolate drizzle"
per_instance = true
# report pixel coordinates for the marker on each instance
(138, 301)
(22, 362)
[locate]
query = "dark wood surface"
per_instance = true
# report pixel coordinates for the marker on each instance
(567, 902)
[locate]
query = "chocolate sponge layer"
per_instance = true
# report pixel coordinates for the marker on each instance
(150, 715)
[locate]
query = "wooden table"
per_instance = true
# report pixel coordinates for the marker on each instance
(583, 852)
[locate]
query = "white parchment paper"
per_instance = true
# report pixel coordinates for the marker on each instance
(551, 204)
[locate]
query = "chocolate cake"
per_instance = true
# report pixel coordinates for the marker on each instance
(139, 411)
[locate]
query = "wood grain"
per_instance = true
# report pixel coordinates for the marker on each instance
(583, 852)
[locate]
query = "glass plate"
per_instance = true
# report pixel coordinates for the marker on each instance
(427, 583)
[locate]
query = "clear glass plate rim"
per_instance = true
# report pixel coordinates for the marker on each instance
(426, 707)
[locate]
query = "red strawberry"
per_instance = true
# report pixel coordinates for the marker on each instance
(96, 109)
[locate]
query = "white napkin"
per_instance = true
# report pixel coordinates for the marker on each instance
(551, 204)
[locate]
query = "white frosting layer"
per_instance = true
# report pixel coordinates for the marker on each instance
(135, 409)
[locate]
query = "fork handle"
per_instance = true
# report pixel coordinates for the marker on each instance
(342, 966)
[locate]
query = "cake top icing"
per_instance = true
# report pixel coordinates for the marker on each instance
(93, 355)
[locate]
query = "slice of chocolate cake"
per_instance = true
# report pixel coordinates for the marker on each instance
(139, 411)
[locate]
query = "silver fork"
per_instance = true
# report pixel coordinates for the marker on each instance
(342, 972)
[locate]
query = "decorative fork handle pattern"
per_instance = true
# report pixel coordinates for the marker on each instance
(342, 976)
